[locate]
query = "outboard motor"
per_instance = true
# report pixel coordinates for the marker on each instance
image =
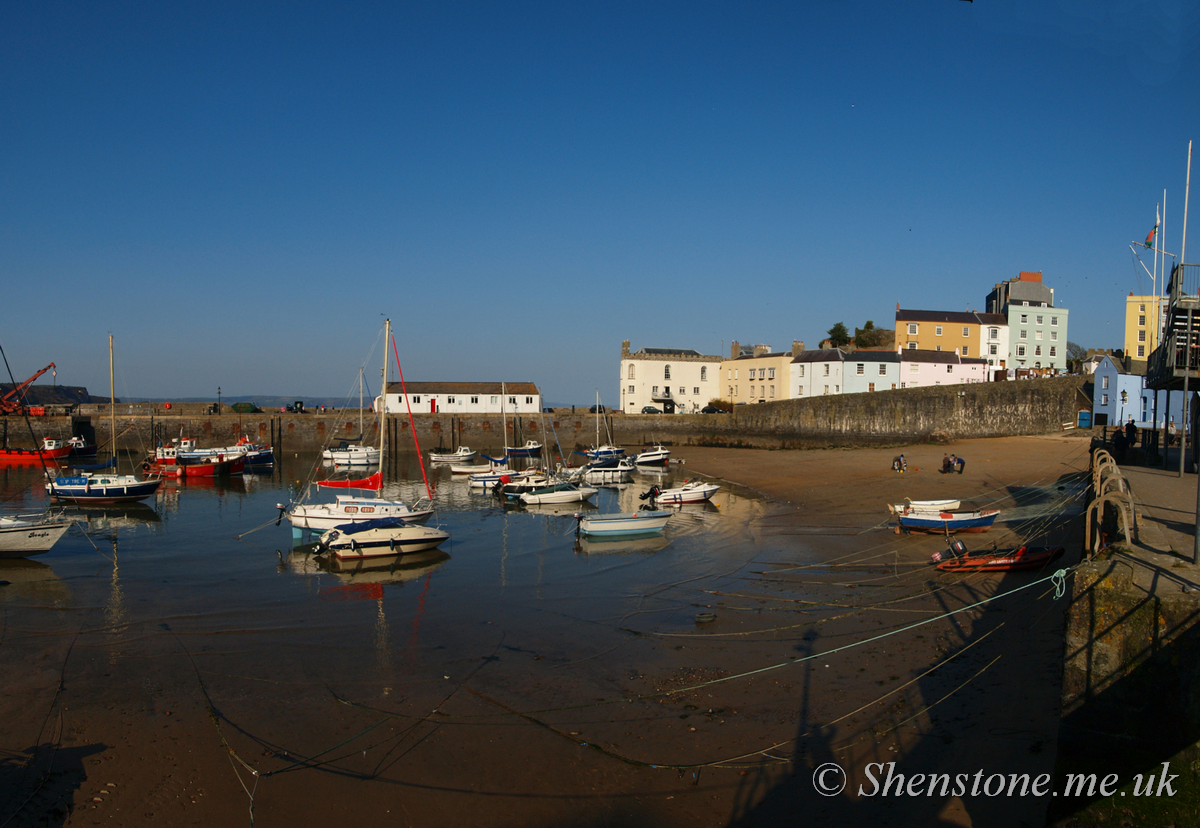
(954, 549)
(650, 494)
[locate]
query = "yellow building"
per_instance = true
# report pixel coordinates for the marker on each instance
(1143, 321)
(955, 331)
(759, 376)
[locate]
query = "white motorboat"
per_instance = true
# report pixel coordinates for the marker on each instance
(657, 456)
(621, 472)
(692, 491)
(461, 455)
(347, 454)
(377, 538)
(559, 493)
(24, 535)
(623, 523)
(321, 517)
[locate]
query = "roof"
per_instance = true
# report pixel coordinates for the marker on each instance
(516, 388)
(669, 351)
(992, 319)
(762, 356)
(942, 357)
(952, 317)
(838, 355)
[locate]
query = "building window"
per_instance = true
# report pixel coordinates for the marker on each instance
(1141, 308)
(912, 328)
(883, 369)
(1053, 350)
(474, 400)
(529, 400)
(666, 372)
(826, 369)
(965, 349)
(735, 373)
(912, 346)
(1024, 319)
(512, 400)
(1020, 350)
(770, 373)
(861, 369)
(992, 350)
(654, 389)
(1037, 335)
(938, 348)
(682, 391)
(1141, 351)
(1039, 320)
(772, 390)
(449, 400)
(1037, 350)
(800, 391)
(914, 368)
(871, 386)
(1104, 381)
(949, 369)
(993, 333)
(826, 389)
(1141, 321)
(937, 331)
(1054, 336)
(417, 399)
(801, 370)
(1141, 336)
(762, 391)
(696, 392)
(631, 371)
(1053, 320)
(1104, 399)
(631, 391)
(703, 374)
(1024, 334)
(966, 331)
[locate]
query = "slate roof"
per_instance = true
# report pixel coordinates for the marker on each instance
(514, 388)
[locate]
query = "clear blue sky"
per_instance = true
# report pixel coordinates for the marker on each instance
(239, 192)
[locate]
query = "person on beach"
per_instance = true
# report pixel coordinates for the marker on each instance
(899, 464)
(960, 464)
(947, 466)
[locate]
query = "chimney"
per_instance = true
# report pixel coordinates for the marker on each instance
(733, 350)
(759, 350)
(797, 347)
(625, 349)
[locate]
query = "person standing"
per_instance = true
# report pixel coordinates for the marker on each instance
(960, 464)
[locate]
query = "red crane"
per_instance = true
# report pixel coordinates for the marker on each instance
(11, 403)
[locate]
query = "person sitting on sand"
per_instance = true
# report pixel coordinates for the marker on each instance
(947, 466)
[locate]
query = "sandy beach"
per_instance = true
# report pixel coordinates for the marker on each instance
(836, 643)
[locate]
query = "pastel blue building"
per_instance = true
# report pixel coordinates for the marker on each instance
(1119, 395)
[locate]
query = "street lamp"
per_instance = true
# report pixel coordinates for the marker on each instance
(218, 399)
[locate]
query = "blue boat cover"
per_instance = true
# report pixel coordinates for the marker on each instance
(366, 525)
(494, 460)
(70, 481)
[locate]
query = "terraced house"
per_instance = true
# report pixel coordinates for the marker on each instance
(762, 375)
(964, 333)
(1037, 329)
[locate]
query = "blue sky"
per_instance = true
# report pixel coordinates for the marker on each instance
(239, 193)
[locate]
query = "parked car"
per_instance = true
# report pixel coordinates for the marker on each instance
(710, 409)
(596, 408)
(649, 409)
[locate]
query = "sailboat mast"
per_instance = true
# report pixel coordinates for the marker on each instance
(387, 338)
(112, 401)
(360, 410)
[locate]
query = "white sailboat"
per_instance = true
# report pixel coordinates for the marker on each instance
(355, 454)
(345, 509)
(383, 535)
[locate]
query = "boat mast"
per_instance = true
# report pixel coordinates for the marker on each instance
(387, 338)
(112, 403)
(360, 410)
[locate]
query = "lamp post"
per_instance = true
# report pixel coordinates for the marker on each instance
(218, 399)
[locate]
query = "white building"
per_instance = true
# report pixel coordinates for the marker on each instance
(919, 369)
(463, 398)
(834, 371)
(1037, 328)
(673, 380)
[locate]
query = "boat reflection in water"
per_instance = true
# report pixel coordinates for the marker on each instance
(621, 546)
(26, 579)
(388, 569)
(117, 516)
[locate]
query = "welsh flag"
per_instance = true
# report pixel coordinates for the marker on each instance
(1153, 230)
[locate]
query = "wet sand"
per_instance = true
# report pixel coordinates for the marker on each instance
(664, 720)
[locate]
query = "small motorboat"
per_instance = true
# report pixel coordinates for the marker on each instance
(926, 506)
(559, 493)
(692, 491)
(347, 454)
(956, 558)
(384, 536)
(23, 535)
(532, 448)
(917, 521)
(604, 452)
(461, 455)
(620, 471)
(619, 524)
(657, 456)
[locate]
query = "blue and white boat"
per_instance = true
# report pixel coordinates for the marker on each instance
(912, 520)
(101, 488)
(532, 448)
(622, 524)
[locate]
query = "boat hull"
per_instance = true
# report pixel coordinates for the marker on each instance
(102, 490)
(573, 494)
(527, 450)
(21, 456)
(696, 492)
(940, 522)
(1025, 557)
(321, 517)
(22, 538)
(396, 538)
(623, 524)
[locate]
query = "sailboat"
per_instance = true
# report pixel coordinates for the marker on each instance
(349, 454)
(99, 488)
(532, 448)
(321, 517)
(607, 451)
(384, 534)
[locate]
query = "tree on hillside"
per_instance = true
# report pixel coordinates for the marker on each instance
(838, 335)
(868, 336)
(1075, 351)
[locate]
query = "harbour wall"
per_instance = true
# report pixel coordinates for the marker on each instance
(898, 417)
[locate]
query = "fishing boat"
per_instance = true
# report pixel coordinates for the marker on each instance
(399, 521)
(22, 456)
(559, 493)
(657, 456)
(76, 446)
(532, 448)
(620, 471)
(461, 455)
(95, 488)
(619, 524)
(917, 521)
(380, 537)
(692, 491)
(25, 535)
(956, 558)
